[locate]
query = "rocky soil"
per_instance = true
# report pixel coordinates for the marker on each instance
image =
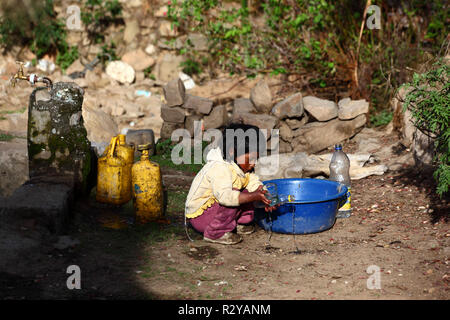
(398, 224)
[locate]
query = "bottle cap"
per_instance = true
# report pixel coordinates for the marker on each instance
(337, 147)
(143, 147)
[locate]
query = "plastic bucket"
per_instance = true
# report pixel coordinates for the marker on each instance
(314, 209)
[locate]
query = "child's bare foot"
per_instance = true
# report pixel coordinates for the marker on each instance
(227, 238)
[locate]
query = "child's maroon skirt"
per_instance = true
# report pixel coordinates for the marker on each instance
(217, 220)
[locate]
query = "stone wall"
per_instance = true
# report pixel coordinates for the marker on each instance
(305, 124)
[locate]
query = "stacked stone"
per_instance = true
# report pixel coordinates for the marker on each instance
(333, 123)
(182, 110)
(306, 124)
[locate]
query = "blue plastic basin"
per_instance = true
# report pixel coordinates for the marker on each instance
(314, 209)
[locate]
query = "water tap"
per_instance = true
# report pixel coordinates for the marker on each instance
(32, 78)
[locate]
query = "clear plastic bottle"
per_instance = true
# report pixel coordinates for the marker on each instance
(340, 172)
(275, 200)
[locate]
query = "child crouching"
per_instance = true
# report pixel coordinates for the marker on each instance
(221, 196)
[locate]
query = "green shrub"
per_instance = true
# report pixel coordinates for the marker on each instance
(39, 29)
(380, 119)
(97, 15)
(429, 102)
(318, 41)
(65, 59)
(36, 27)
(191, 67)
(108, 53)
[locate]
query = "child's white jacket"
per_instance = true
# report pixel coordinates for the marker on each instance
(215, 183)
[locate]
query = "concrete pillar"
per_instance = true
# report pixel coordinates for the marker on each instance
(58, 148)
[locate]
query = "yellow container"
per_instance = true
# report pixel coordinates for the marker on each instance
(124, 151)
(114, 174)
(122, 148)
(146, 180)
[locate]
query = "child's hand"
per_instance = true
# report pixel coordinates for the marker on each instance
(270, 209)
(258, 195)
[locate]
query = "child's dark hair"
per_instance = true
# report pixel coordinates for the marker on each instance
(242, 139)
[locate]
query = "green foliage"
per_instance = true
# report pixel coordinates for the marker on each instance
(429, 102)
(65, 59)
(191, 67)
(380, 119)
(97, 15)
(6, 137)
(163, 156)
(318, 39)
(148, 73)
(108, 52)
(38, 28)
(49, 34)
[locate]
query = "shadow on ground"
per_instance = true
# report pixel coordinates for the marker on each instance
(423, 179)
(114, 256)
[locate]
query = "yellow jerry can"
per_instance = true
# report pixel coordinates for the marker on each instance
(148, 199)
(124, 150)
(114, 174)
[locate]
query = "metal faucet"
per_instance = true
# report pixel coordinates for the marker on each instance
(32, 78)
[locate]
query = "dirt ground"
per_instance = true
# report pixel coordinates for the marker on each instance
(397, 225)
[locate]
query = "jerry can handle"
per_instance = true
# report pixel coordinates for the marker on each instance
(113, 146)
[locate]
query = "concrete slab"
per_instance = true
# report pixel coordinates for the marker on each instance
(48, 204)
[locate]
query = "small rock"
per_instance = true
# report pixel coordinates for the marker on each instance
(187, 81)
(217, 118)
(198, 104)
(289, 107)
(169, 127)
(320, 109)
(99, 125)
(198, 41)
(174, 93)
(350, 109)
(132, 3)
(46, 66)
(167, 30)
(262, 121)
(190, 125)
(297, 123)
(120, 71)
(131, 31)
(285, 132)
(169, 67)
(173, 114)
(117, 111)
(285, 147)
(261, 97)
(150, 49)
(138, 59)
(240, 268)
(241, 105)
